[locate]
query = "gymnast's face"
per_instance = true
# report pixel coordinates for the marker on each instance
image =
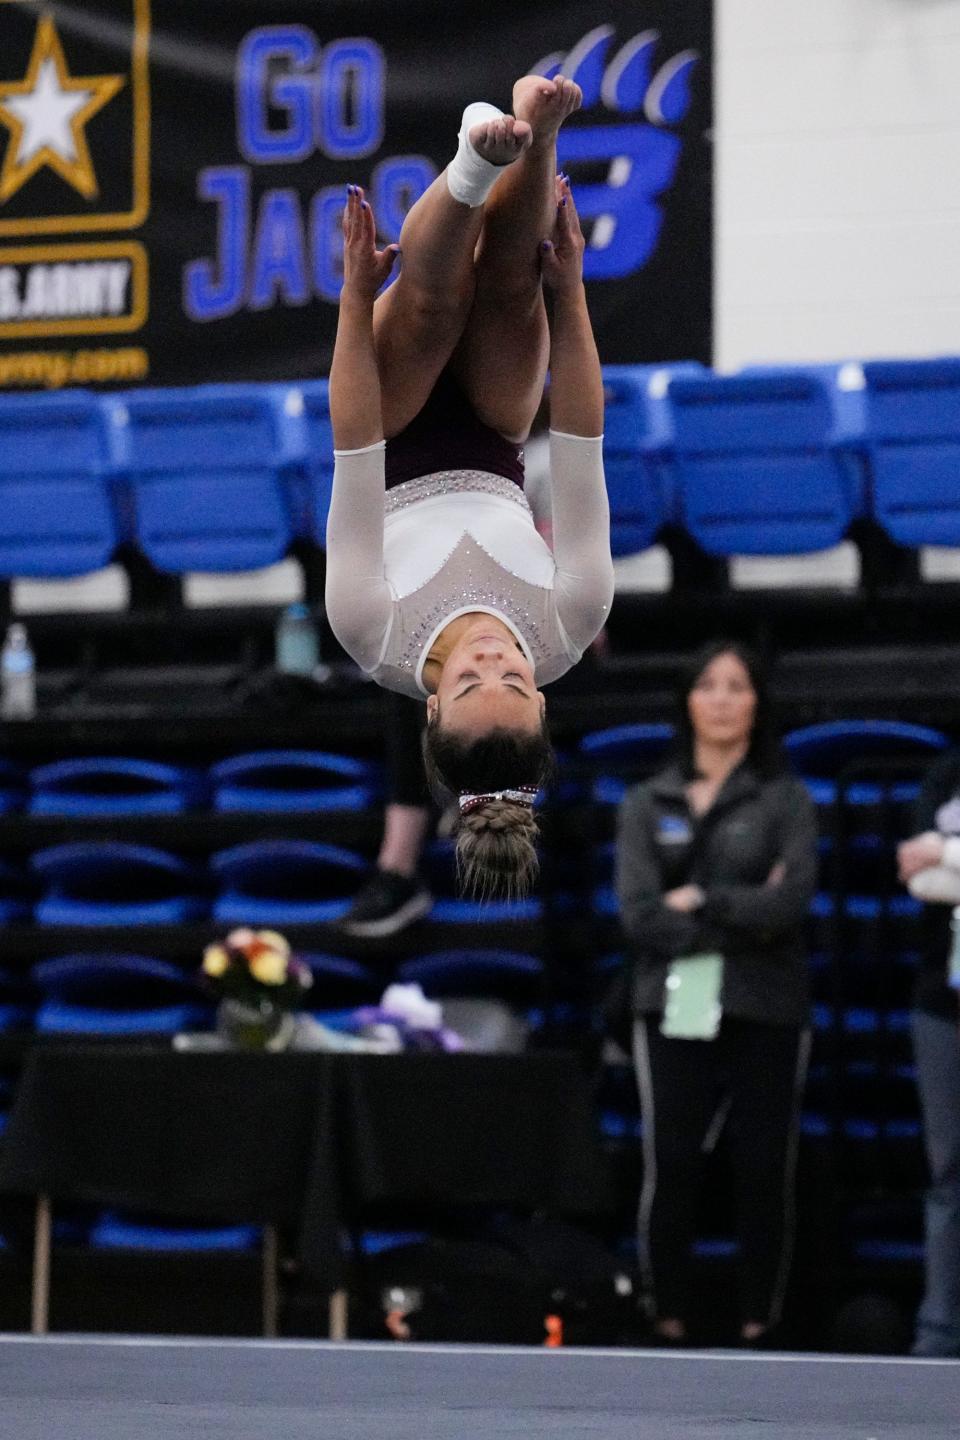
(487, 683)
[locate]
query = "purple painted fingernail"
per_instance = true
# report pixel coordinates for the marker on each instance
(544, 244)
(364, 205)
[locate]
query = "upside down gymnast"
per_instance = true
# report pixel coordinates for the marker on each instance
(438, 581)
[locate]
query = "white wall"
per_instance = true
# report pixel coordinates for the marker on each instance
(837, 179)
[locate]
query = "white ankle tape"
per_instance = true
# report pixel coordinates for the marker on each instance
(470, 178)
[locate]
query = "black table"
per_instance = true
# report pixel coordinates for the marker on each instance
(306, 1141)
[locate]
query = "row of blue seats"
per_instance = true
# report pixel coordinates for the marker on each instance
(826, 756)
(308, 780)
(265, 882)
(781, 460)
(214, 478)
(121, 994)
(227, 478)
(261, 781)
(278, 881)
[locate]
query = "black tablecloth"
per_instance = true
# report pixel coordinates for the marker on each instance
(303, 1140)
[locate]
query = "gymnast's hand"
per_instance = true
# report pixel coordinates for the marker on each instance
(561, 257)
(365, 268)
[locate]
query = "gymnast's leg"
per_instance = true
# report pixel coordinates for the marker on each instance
(420, 318)
(501, 362)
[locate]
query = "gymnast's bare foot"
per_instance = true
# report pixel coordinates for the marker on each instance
(545, 104)
(500, 141)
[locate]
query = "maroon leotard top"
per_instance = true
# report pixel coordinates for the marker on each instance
(448, 435)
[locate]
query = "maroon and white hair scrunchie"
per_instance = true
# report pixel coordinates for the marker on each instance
(522, 795)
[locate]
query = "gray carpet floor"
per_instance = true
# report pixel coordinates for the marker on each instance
(83, 1388)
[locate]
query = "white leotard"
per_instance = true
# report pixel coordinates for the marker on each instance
(403, 563)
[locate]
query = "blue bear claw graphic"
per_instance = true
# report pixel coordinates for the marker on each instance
(641, 156)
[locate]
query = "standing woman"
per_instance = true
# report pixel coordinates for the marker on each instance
(438, 583)
(716, 864)
(929, 865)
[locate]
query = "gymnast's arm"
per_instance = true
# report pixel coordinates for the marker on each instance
(358, 599)
(581, 513)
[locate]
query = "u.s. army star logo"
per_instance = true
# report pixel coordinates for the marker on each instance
(46, 113)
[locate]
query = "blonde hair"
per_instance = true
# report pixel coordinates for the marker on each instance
(497, 850)
(496, 840)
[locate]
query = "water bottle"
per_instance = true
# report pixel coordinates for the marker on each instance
(297, 651)
(18, 677)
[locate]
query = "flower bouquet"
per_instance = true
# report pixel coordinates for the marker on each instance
(258, 984)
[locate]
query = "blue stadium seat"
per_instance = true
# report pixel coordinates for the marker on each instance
(654, 382)
(204, 469)
(291, 780)
(450, 908)
(913, 437)
(287, 401)
(756, 474)
(112, 785)
(57, 516)
(823, 751)
(115, 1231)
(605, 904)
(642, 743)
(113, 883)
(845, 385)
(284, 882)
(621, 754)
(370, 1243)
(867, 814)
(318, 458)
(636, 481)
(115, 995)
(490, 974)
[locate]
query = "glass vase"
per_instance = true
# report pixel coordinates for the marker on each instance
(254, 1024)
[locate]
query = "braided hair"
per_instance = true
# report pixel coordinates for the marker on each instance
(496, 840)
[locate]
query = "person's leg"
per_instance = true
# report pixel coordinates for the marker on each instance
(420, 318)
(501, 362)
(404, 831)
(409, 811)
(937, 1050)
(395, 896)
(678, 1093)
(766, 1067)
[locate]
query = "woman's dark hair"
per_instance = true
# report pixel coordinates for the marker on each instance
(497, 841)
(764, 754)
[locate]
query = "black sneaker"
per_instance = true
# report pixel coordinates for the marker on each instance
(385, 904)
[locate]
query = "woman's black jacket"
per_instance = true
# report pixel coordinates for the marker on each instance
(757, 926)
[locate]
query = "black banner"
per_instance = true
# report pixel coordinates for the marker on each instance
(172, 172)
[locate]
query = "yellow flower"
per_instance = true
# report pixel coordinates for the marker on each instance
(269, 967)
(215, 960)
(275, 940)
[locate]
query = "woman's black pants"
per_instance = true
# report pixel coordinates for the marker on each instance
(750, 1078)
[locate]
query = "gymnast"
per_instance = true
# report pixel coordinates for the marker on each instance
(438, 582)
